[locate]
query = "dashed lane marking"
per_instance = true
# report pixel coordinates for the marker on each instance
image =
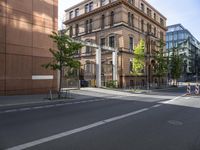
(158, 105)
(12, 110)
(77, 130)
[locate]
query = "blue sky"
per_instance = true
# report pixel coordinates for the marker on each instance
(186, 12)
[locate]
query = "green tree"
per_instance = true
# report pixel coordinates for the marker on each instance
(138, 61)
(63, 56)
(161, 66)
(176, 66)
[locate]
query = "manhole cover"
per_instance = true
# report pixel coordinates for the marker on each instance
(175, 122)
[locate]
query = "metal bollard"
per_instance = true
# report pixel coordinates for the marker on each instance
(188, 89)
(50, 95)
(197, 89)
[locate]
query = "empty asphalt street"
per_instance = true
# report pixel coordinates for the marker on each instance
(105, 120)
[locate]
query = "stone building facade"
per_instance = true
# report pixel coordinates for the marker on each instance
(24, 43)
(119, 24)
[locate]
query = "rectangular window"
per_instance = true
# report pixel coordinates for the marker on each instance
(175, 36)
(103, 2)
(102, 21)
(90, 30)
(129, 18)
(142, 7)
(142, 25)
(154, 31)
(149, 12)
(132, 20)
(86, 8)
(88, 68)
(167, 38)
(154, 16)
(86, 26)
(77, 12)
(112, 41)
(167, 45)
(170, 37)
(103, 42)
(148, 27)
(170, 45)
(71, 15)
(77, 29)
(87, 50)
(131, 1)
(112, 18)
(131, 44)
(161, 35)
(91, 6)
(161, 22)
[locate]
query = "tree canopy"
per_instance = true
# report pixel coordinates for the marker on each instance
(63, 56)
(139, 58)
(176, 65)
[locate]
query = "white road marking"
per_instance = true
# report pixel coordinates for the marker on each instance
(166, 102)
(59, 105)
(158, 105)
(77, 130)
(38, 107)
(12, 110)
(24, 109)
(49, 106)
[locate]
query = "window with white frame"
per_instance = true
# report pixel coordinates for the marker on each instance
(103, 2)
(77, 12)
(112, 41)
(131, 43)
(70, 14)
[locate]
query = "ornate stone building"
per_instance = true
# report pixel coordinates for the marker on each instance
(119, 24)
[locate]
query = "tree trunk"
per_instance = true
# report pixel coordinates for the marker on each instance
(60, 85)
(135, 84)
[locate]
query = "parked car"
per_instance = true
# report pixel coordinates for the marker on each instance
(84, 83)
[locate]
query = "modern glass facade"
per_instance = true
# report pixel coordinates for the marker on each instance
(188, 47)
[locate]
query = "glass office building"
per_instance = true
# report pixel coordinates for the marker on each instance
(187, 46)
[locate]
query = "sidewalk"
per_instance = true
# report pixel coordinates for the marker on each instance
(83, 94)
(35, 99)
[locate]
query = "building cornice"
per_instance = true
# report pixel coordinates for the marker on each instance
(100, 9)
(97, 10)
(143, 14)
(73, 7)
(144, 1)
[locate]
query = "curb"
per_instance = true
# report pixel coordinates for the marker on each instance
(40, 103)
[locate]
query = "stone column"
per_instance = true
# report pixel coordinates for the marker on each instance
(114, 65)
(98, 67)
